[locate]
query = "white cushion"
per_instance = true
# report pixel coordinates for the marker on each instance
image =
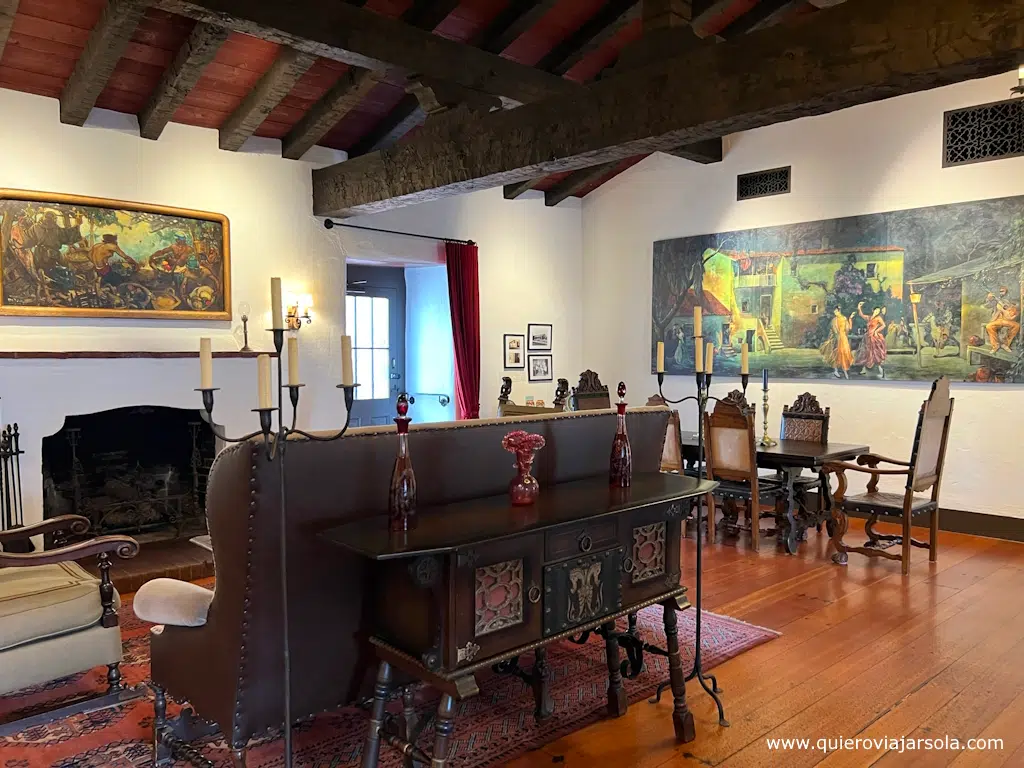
(169, 601)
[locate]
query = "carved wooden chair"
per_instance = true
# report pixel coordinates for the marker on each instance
(923, 473)
(807, 420)
(507, 408)
(58, 620)
(731, 458)
(590, 394)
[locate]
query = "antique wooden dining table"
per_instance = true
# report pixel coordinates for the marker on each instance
(790, 458)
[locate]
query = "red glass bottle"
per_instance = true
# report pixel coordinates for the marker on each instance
(621, 465)
(402, 495)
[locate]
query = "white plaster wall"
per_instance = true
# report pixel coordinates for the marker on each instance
(531, 271)
(878, 157)
(268, 202)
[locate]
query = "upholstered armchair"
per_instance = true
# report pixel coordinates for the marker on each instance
(56, 619)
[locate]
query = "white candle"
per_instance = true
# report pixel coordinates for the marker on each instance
(205, 364)
(347, 379)
(698, 321)
(293, 362)
(276, 307)
(710, 358)
(745, 358)
(699, 367)
(661, 357)
(263, 381)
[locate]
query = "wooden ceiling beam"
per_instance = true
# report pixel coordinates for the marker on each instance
(342, 97)
(104, 48)
(601, 27)
(851, 54)
(512, 191)
(576, 181)
(427, 14)
(766, 13)
(365, 39)
(519, 16)
(180, 78)
(7, 10)
(289, 66)
(704, 152)
(511, 23)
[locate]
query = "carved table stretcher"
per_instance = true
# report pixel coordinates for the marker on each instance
(478, 583)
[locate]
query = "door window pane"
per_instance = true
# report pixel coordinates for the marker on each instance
(380, 323)
(368, 323)
(364, 374)
(381, 373)
(364, 322)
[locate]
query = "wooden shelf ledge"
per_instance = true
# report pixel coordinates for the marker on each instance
(102, 355)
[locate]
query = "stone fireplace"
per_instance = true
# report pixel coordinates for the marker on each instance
(139, 470)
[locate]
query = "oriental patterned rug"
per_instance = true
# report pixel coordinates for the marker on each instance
(490, 729)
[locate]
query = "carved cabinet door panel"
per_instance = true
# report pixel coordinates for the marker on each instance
(497, 598)
(650, 540)
(582, 590)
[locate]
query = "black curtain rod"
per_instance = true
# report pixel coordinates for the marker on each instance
(330, 224)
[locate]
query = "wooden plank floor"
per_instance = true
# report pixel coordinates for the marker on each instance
(865, 652)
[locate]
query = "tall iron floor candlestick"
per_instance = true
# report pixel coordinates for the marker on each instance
(275, 442)
(701, 398)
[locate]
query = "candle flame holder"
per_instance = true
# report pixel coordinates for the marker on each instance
(275, 441)
(766, 440)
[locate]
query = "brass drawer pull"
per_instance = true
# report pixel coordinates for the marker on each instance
(586, 543)
(628, 566)
(534, 594)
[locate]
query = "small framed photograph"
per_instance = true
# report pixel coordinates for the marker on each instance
(515, 351)
(540, 368)
(539, 335)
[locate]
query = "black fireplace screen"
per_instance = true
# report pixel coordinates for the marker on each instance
(131, 470)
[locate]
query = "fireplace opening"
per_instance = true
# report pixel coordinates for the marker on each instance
(140, 470)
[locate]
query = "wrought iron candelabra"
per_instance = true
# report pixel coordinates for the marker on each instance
(275, 441)
(708, 682)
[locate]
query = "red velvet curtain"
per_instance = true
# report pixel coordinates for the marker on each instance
(464, 298)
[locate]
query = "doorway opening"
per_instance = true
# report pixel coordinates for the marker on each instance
(400, 324)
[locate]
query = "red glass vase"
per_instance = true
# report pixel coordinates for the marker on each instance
(620, 470)
(402, 494)
(524, 488)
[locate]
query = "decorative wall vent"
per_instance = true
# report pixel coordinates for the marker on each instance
(987, 132)
(763, 183)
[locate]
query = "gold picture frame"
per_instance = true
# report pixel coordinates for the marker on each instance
(77, 256)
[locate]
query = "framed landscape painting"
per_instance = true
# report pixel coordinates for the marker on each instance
(63, 255)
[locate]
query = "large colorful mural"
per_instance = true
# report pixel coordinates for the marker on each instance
(911, 294)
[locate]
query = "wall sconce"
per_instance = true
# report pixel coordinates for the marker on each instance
(297, 309)
(1019, 90)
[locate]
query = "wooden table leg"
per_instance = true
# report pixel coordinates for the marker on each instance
(409, 721)
(541, 681)
(617, 702)
(682, 717)
(793, 532)
(444, 727)
(371, 748)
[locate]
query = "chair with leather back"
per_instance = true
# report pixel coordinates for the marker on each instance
(56, 619)
(923, 473)
(806, 420)
(730, 448)
(590, 394)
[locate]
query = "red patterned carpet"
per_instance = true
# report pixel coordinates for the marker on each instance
(492, 728)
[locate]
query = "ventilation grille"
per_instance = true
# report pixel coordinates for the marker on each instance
(989, 132)
(763, 183)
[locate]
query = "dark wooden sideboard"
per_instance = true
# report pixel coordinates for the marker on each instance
(478, 583)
